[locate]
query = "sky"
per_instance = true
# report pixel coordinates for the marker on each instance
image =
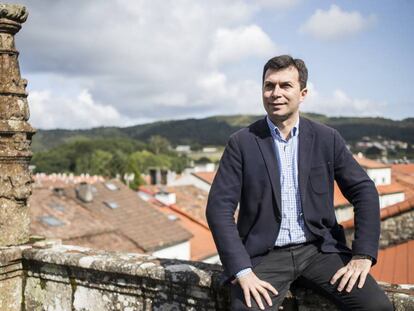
(126, 62)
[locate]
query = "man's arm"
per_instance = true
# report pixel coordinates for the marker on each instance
(222, 202)
(360, 190)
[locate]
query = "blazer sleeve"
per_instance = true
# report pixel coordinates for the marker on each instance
(361, 192)
(222, 202)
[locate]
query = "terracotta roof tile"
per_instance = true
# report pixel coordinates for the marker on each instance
(395, 264)
(404, 175)
(387, 212)
(110, 241)
(390, 189)
(190, 211)
(76, 221)
(201, 244)
(76, 224)
(406, 169)
(134, 217)
(208, 177)
(340, 200)
(62, 180)
(370, 164)
(190, 199)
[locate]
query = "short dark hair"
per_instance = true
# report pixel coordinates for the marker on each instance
(285, 61)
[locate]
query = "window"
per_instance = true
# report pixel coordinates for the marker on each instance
(111, 204)
(111, 186)
(57, 206)
(51, 221)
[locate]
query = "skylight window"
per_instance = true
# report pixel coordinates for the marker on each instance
(111, 186)
(57, 206)
(172, 217)
(111, 204)
(51, 221)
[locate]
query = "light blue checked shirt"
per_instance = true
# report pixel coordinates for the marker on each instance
(292, 228)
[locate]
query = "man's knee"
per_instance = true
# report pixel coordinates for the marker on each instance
(381, 303)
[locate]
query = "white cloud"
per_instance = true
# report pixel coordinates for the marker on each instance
(341, 104)
(144, 59)
(233, 45)
(225, 96)
(49, 111)
(278, 4)
(335, 23)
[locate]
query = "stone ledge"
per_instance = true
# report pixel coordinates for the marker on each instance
(75, 278)
(12, 253)
(175, 271)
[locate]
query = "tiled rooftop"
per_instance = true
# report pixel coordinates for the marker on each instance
(190, 199)
(404, 174)
(386, 212)
(61, 180)
(395, 264)
(57, 216)
(190, 212)
(340, 200)
(133, 217)
(370, 164)
(207, 177)
(406, 169)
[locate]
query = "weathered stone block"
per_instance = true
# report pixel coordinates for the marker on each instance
(14, 222)
(41, 294)
(11, 279)
(86, 298)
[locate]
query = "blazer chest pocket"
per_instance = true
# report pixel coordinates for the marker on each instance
(319, 179)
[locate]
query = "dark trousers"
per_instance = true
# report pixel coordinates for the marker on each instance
(306, 263)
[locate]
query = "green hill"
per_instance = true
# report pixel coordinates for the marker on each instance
(216, 130)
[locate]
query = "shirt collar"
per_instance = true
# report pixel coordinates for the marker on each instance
(274, 129)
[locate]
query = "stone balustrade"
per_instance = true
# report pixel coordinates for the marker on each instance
(50, 276)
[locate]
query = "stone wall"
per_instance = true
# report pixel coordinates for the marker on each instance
(394, 230)
(397, 229)
(56, 277)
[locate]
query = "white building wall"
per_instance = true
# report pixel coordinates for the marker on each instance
(347, 212)
(380, 176)
(344, 213)
(178, 251)
(390, 199)
(189, 179)
(207, 167)
(213, 260)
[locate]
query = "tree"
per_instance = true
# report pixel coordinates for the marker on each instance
(96, 163)
(158, 144)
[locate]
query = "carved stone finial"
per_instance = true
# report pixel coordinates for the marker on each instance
(14, 12)
(15, 133)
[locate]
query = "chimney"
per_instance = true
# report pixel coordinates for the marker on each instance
(84, 192)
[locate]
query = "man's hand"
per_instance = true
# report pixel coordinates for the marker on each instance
(356, 268)
(253, 286)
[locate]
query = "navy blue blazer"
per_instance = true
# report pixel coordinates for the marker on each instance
(248, 173)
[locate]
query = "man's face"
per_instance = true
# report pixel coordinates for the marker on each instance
(282, 94)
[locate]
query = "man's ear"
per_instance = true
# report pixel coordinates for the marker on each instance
(303, 94)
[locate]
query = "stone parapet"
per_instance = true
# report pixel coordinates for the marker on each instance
(97, 280)
(394, 230)
(50, 276)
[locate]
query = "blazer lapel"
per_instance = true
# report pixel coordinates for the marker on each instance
(266, 145)
(306, 138)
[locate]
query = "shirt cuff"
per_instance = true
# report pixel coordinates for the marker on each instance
(243, 272)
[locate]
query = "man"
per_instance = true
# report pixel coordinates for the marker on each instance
(281, 170)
